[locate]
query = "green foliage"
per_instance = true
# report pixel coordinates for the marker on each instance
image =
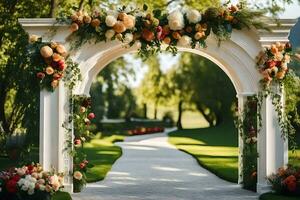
(110, 92)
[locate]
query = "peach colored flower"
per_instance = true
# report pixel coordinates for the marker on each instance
(46, 51)
(119, 27)
(49, 70)
(61, 49)
(54, 83)
(77, 175)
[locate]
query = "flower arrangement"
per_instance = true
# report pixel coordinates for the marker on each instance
(82, 121)
(29, 182)
(143, 130)
(273, 62)
(247, 125)
(152, 29)
(50, 61)
(286, 181)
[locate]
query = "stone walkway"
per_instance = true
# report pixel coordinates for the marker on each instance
(152, 169)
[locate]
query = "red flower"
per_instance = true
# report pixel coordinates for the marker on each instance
(271, 63)
(61, 65)
(77, 142)
(11, 186)
(40, 75)
(16, 178)
(291, 183)
(91, 116)
(82, 165)
(159, 33)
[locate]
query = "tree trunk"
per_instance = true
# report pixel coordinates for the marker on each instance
(81, 4)
(2, 108)
(155, 110)
(52, 8)
(206, 117)
(180, 111)
(145, 110)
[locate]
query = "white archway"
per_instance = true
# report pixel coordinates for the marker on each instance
(236, 57)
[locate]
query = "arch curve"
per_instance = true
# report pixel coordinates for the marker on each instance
(235, 57)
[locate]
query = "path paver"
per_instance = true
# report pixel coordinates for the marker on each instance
(152, 169)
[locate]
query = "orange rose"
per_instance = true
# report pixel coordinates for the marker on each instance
(49, 70)
(74, 27)
(61, 49)
(129, 22)
(46, 51)
(95, 23)
(148, 35)
(122, 16)
(199, 35)
(87, 19)
(119, 27)
(176, 35)
(56, 57)
(280, 75)
(167, 40)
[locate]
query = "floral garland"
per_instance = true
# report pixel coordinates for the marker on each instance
(29, 182)
(272, 63)
(51, 64)
(286, 181)
(248, 125)
(152, 29)
(82, 118)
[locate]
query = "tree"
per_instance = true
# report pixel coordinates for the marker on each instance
(153, 88)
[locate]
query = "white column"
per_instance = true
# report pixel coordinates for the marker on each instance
(54, 109)
(272, 148)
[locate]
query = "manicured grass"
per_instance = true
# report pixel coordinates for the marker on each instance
(214, 148)
(62, 196)
(102, 153)
(272, 196)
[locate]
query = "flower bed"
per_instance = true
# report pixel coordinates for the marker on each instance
(143, 130)
(286, 181)
(29, 182)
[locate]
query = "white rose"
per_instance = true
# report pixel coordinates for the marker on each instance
(21, 182)
(109, 34)
(176, 20)
(184, 41)
(42, 187)
(33, 180)
(110, 20)
(31, 191)
(128, 38)
(31, 186)
(28, 177)
(24, 188)
(248, 140)
(254, 139)
(194, 16)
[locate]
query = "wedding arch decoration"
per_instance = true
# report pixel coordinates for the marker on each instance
(73, 49)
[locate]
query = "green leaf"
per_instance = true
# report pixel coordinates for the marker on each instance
(145, 7)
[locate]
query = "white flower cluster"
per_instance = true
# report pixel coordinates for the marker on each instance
(27, 184)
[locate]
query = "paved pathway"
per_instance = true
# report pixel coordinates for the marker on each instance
(152, 169)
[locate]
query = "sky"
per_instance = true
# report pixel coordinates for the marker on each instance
(167, 60)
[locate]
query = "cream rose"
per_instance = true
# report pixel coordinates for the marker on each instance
(194, 16)
(109, 34)
(184, 41)
(33, 38)
(128, 38)
(110, 20)
(77, 175)
(176, 20)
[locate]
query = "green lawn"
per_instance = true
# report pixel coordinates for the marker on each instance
(102, 153)
(216, 149)
(272, 196)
